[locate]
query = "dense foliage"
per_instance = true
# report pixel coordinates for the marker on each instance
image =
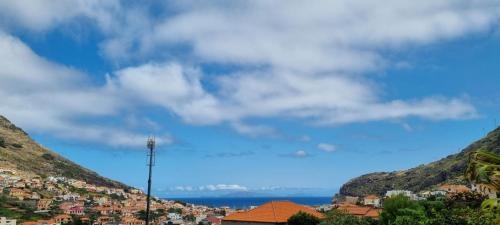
(484, 169)
(302, 218)
(460, 209)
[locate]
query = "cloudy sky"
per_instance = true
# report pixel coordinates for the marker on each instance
(251, 95)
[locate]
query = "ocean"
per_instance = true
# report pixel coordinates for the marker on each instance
(247, 202)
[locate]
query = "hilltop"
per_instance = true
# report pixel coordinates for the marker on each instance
(20, 152)
(447, 170)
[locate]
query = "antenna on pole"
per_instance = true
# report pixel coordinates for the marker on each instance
(151, 147)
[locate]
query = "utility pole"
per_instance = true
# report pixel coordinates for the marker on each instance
(151, 147)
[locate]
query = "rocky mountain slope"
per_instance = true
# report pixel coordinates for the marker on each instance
(19, 151)
(447, 170)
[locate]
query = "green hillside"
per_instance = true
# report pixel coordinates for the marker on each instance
(19, 151)
(447, 170)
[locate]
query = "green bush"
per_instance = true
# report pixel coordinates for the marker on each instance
(302, 218)
(2, 142)
(48, 156)
(16, 145)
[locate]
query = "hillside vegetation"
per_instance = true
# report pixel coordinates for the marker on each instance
(19, 151)
(447, 170)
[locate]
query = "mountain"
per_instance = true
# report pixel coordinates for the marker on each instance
(19, 151)
(447, 170)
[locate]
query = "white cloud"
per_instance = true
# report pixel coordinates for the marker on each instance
(172, 86)
(46, 97)
(327, 147)
(301, 61)
(300, 154)
(47, 14)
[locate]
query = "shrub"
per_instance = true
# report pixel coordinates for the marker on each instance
(302, 218)
(16, 145)
(2, 142)
(48, 156)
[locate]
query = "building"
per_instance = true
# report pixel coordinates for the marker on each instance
(132, 221)
(5, 221)
(275, 212)
(20, 194)
(43, 204)
(372, 200)
(406, 193)
(60, 219)
(361, 211)
(453, 188)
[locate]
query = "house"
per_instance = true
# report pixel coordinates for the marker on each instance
(75, 210)
(132, 221)
(361, 211)
(214, 220)
(43, 204)
(454, 188)
(174, 216)
(101, 220)
(274, 212)
(61, 219)
(406, 193)
(372, 200)
(18, 193)
(5, 221)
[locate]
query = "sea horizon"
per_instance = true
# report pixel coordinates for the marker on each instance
(246, 202)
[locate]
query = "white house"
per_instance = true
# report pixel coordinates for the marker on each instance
(406, 193)
(174, 216)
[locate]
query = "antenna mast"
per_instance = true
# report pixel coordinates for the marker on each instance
(151, 147)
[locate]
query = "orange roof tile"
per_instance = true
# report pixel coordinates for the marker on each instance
(359, 210)
(274, 211)
(371, 197)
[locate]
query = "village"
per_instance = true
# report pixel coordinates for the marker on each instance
(59, 200)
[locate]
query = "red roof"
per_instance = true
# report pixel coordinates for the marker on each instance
(359, 210)
(275, 212)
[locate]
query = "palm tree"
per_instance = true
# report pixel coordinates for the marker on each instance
(484, 169)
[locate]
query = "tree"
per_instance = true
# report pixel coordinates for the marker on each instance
(190, 217)
(400, 206)
(302, 218)
(337, 217)
(2, 142)
(484, 168)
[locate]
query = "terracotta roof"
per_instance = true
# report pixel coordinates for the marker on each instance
(454, 188)
(371, 197)
(359, 210)
(275, 211)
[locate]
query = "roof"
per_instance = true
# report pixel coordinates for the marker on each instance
(371, 197)
(274, 211)
(359, 210)
(454, 188)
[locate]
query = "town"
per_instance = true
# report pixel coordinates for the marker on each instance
(59, 200)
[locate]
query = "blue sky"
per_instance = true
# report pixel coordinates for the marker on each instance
(270, 97)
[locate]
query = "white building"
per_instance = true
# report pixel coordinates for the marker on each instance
(174, 216)
(5, 221)
(406, 193)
